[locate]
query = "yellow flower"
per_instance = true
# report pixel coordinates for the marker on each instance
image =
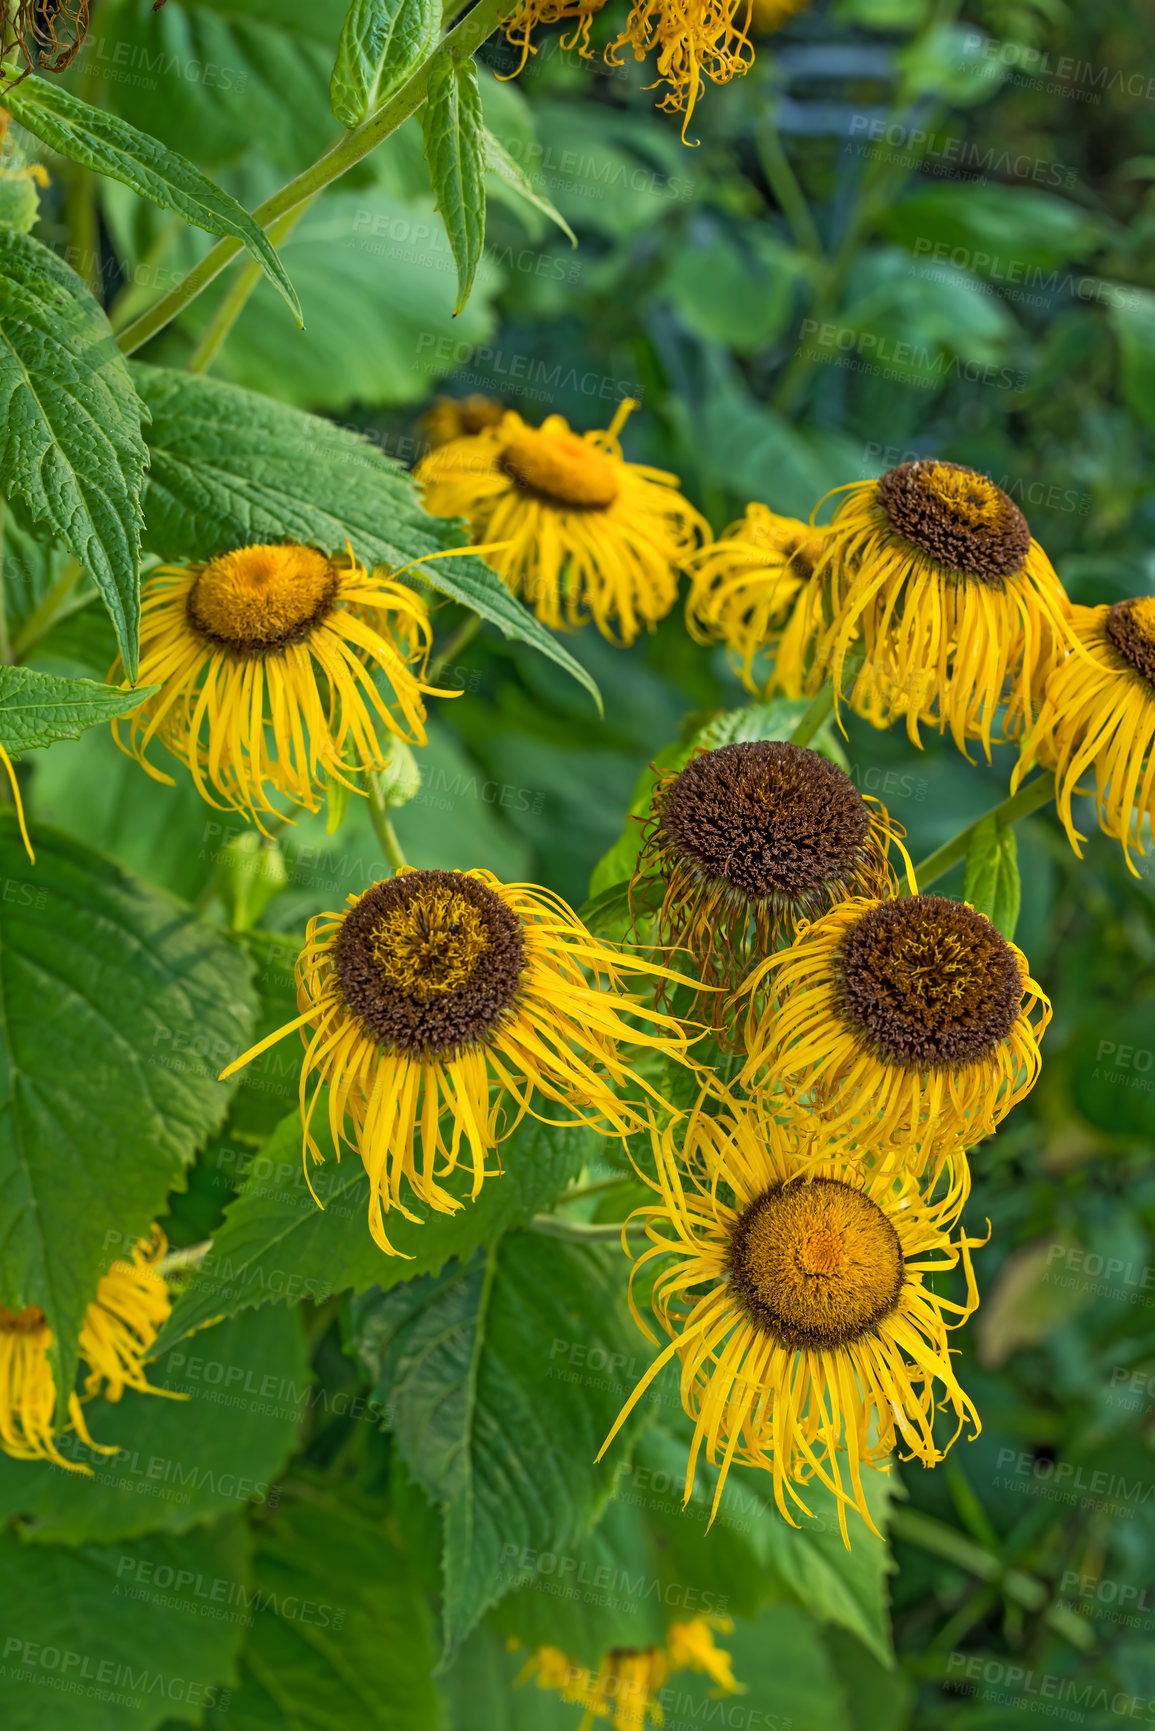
(566, 522)
(119, 1327)
(436, 1006)
(749, 841)
(625, 1686)
(459, 417)
(691, 1647)
(281, 641)
(691, 40)
(791, 1289)
(770, 15)
(752, 590)
(934, 567)
(909, 1023)
(1098, 717)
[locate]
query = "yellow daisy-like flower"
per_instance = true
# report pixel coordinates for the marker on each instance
(752, 590)
(911, 1024)
(567, 523)
(460, 417)
(933, 566)
(266, 658)
(437, 1005)
(748, 842)
(1098, 718)
(692, 40)
(624, 1688)
(793, 1294)
(120, 1325)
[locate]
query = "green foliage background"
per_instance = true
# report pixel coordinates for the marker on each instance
(896, 237)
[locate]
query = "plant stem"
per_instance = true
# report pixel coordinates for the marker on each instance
(47, 611)
(233, 304)
(472, 31)
(464, 634)
(1032, 797)
(5, 646)
(1023, 1589)
(582, 1232)
(383, 828)
(784, 184)
(815, 716)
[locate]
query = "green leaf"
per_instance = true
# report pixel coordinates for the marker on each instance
(276, 1245)
(382, 42)
(341, 1635)
(118, 1009)
(230, 467)
(112, 146)
(451, 120)
(94, 1642)
(488, 1372)
(1133, 317)
(179, 1462)
(71, 445)
(991, 875)
(36, 708)
(1010, 234)
(19, 202)
(498, 161)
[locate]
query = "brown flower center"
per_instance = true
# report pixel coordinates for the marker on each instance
(958, 518)
(28, 1321)
(1130, 625)
(927, 980)
(261, 600)
(816, 1265)
(430, 962)
(766, 817)
(561, 470)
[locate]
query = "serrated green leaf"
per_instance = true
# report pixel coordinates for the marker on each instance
(500, 162)
(117, 1006)
(991, 875)
(19, 202)
(476, 1367)
(451, 120)
(179, 1462)
(71, 446)
(231, 467)
(95, 1618)
(382, 41)
(277, 1245)
(36, 708)
(112, 146)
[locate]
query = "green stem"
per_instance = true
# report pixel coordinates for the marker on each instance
(83, 227)
(5, 646)
(464, 634)
(472, 31)
(48, 610)
(942, 1541)
(815, 716)
(383, 828)
(233, 303)
(1032, 797)
(582, 1232)
(785, 187)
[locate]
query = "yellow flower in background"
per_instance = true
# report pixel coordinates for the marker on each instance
(266, 658)
(436, 1007)
(934, 568)
(748, 842)
(567, 523)
(911, 1024)
(131, 1304)
(791, 1285)
(1097, 721)
(691, 40)
(460, 417)
(624, 1689)
(752, 590)
(766, 16)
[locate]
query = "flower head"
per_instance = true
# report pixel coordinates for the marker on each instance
(282, 641)
(766, 16)
(437, 1005)
(752, 590)
(1098, 719)
(460, 417)
(751, 840)
(566, 522)
(119, 1327)
(791, 1287)
(935, 568)
(624, 1688)
(910, 1023)
(691, 40)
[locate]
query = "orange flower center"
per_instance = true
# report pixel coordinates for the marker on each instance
(562, 470)
(259, 600)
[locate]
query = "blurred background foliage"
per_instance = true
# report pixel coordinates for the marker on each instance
(910, 231)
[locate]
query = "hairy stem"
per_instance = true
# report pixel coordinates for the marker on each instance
(815, 716)
(383, 828)
(52, 604)
(582, 1232)
(454, 644)
(1032, 797)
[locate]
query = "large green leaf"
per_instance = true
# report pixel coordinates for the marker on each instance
(341, 1635)
(230, 467)
(113, 146)
(71, 444)
(114, 1637)
(37, 708)
(501, 1377)
(382, 41)
(1011, 234)
(118, 1008)
(179, 1462)
(276, 1245)
(991, 878)
(452, 122)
